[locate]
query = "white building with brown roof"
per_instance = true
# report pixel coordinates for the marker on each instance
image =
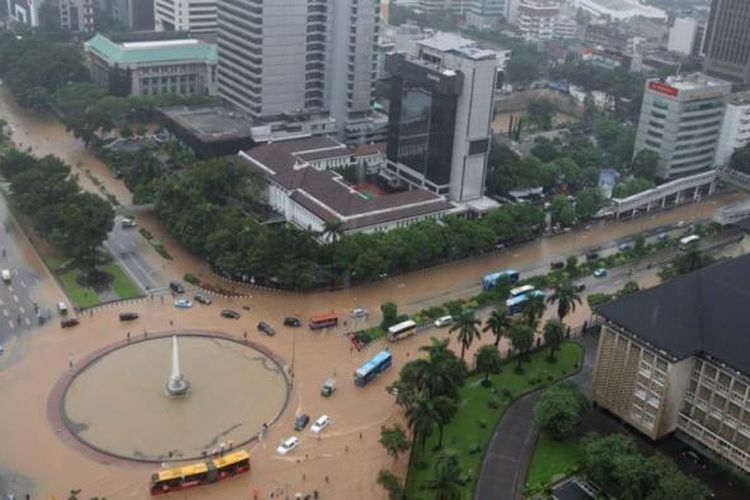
(303, 188)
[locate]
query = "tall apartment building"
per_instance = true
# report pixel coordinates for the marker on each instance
(301, 57)
(135, 15)
(441, 107)
(681, 121)
(735, 129)
(196, 16)
(24, 11)
(77, 15)
(486, 13)
(727, 43)
(684, 35)
(536, 19)
(674, 359)
(456, 6)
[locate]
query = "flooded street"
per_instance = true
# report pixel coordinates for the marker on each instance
(340, 464)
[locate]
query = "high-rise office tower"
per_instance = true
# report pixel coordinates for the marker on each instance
(291, 57)
(681, 121)
(727, 42)
(196, 16)
(441, 107)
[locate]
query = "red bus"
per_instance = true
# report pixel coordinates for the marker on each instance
(200, 473)
(323, 321)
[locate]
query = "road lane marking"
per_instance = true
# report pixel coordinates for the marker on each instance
(5, 311)
(1, 302)
(10, 288)
(28, 322)
(23, 284)
(10, 323)
(20, 308)
(15, 297)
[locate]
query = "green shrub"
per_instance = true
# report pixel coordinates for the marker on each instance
(191, 278)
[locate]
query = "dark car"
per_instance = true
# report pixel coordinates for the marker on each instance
(199, 297)
(592, 256)
(128, 316)
(69, 322)
(557, 264)
(176, 287)
(579, 287)
(266, 328)
(694, 456)
(292, 321)
(231, 314)
(301, 422)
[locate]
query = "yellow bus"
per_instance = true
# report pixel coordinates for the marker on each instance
(200, 473)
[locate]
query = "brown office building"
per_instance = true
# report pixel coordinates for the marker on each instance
(727, 42)
(676, 358)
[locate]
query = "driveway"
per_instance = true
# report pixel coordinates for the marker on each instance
(503, 472)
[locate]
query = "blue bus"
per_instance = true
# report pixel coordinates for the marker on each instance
(489, 280)
(377, 364)
(515, 304)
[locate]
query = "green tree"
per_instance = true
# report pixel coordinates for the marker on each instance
(88, 219)
(563, 211)
(628, 289)
(394, 440)
(533, 310)
(588, 202)
(645, 164)
(686, 262)
(522, 340)
(498, 323)
(571, 265)
(421, 417)
(566, 296)
(488, 361)
(554, 331)
(446, 481)
(740, 159)
(467, 326)
(559, 410)
(392, 484)
(522, 69)
(445, 410)
(630, 187)
(541, 111)
(390, 315)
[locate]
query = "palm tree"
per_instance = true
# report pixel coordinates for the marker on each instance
(332, 232)
(445, 409)
(522, 339)
(553, 336)
(533, 309)
(488, 361)
(467, 327)
(420, 418)
(442, 373)
(566, 296)
(446, 480)
(498, 323)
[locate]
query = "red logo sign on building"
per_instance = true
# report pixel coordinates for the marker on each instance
(663, 88)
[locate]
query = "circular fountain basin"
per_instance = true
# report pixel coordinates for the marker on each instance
(118, 405)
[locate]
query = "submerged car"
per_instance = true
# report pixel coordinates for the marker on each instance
(229, 313)
(288, 445)
(320, 424)
(183, 303)
(600, 273)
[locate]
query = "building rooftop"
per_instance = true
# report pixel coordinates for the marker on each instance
(452, 42)
(739, 98)
(704, 312)
(694, 81)
(325, 193)
(150, 51)
(210, 123)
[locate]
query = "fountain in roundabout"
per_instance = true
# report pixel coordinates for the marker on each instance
(116, 402)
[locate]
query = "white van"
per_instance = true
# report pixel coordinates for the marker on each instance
(443, 321)
(5, 273)
(62, 308)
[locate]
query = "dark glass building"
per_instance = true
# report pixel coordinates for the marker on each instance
(728, 40)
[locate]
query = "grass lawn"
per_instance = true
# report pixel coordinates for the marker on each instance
(470, 430)
(81, 296)
(121, 282)
(551, 458)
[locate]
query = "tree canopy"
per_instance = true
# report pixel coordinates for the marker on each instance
(559, 409)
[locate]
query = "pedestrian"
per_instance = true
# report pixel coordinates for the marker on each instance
(245, 334)
(171, 323)
(360, 435)
(70, 361)
(128, 337)
(307, 456)
(162, 298)
(346, 449)
(327, 481)
(303, 476)
(145, 334)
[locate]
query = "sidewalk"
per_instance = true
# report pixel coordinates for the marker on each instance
(503, 472)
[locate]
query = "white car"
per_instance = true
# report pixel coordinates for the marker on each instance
(5, 273)
(183, 303)
(288, 445)
(359, 312)
(443, 321)
(320, 424)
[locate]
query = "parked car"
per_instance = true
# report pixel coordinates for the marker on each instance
(443, 321)
(320, 424)
(600, 272)
(694, 456)
(176, 287)
(230, 313)
(117, 173)
(62, 308)
(266, 328)
(592, 256)
(5, 273)
(288, 445)
(292, 321)
(128, 316)
(662, 236)
(329, 387)
(359, 312)
(579, 287)
(624, 247)
(301, 422)
(183, 303)
(69, 322)
(202, 299)
(128, 222)
(556, 264)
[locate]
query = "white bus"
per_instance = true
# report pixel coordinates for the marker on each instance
(521, 290)
(402, 330)
(689, 241)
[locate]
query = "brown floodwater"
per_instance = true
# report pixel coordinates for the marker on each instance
(118, 404)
